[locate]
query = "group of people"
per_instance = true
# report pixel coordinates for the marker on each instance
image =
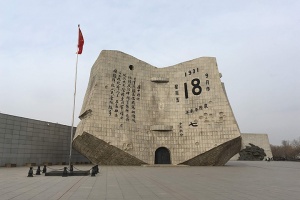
(269, 159)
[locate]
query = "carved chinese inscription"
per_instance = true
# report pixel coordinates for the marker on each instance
(124, 93)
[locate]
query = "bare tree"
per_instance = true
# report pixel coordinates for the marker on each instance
(296, 146)
(287, 150)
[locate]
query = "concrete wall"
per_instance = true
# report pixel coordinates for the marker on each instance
(260, 140)
(24, 140)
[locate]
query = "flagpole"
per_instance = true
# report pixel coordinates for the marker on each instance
(74, 101)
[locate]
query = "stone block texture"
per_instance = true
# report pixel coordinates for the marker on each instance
(140, 111)
(216, 156)
(102, 152)
(24, 140)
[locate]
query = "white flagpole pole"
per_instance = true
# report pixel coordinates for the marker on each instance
(74, 101)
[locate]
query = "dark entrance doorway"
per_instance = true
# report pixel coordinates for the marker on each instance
(162, 156)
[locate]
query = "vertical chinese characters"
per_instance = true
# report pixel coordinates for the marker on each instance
(124, 93)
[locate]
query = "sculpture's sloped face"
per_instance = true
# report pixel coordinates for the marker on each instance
(154, 115)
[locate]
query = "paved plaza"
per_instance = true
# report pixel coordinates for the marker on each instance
(238, 180)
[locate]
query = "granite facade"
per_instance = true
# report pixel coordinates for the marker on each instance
(138, 108)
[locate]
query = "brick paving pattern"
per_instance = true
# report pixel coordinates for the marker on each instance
(238, 180)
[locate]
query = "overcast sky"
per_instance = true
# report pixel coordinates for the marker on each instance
(256, 43)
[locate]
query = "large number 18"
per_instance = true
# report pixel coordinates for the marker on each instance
(196, 90)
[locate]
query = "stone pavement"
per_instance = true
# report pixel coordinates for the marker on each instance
(238, 180)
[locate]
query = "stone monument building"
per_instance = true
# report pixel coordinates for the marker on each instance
(134, 113)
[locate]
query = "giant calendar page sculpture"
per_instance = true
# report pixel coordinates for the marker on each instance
(134, 113)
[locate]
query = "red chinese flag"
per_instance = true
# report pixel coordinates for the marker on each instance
(80, 42)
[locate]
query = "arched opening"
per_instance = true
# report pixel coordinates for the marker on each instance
(162, 156)
(131, 67)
